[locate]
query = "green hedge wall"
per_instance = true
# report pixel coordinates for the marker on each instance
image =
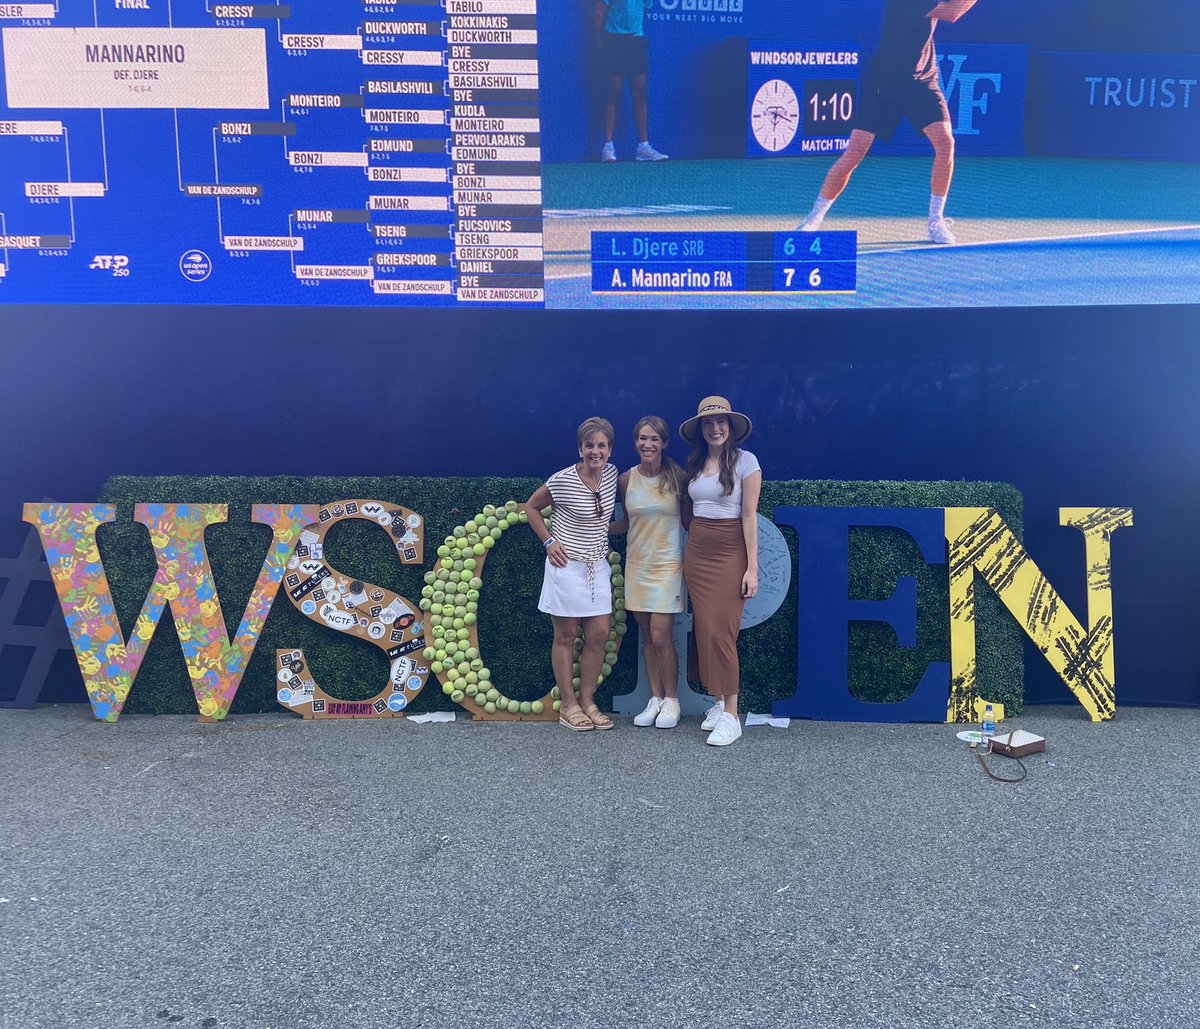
(514, 636)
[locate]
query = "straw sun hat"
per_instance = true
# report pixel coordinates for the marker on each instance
(739, 424)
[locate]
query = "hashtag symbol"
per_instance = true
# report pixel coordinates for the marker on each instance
(44, 641)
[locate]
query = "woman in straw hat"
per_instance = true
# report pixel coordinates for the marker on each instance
(720, 564)
(655, 503)
(576, 584)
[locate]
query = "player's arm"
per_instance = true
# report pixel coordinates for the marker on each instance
(950, 10)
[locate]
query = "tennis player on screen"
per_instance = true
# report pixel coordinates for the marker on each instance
(901, 82)
(620, 27)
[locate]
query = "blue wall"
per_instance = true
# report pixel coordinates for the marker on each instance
(1074, 406)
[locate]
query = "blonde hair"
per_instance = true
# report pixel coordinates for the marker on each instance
(671, 479)
(594, 425)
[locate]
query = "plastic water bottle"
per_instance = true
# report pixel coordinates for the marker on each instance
(988, 728)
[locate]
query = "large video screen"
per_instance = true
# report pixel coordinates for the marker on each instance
(574, 154)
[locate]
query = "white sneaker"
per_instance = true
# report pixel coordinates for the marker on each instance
(648, 716)
(728, 729)
(712, 716)
(812, 223)
(608, 152)
(939, 231)
(668, 714)
(645, 152)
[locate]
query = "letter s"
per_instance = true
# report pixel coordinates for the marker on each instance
(357, 608)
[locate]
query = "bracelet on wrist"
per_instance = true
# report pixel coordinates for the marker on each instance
(550, 541)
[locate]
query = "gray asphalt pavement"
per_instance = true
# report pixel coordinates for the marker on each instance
(269, 872)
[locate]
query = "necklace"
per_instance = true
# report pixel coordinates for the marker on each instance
(585, 479)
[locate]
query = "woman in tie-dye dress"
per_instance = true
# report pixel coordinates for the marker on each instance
(656, 507)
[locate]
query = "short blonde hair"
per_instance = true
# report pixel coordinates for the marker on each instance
(593, 425)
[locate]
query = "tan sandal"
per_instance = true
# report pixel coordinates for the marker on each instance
(597, 717)
(575, 720)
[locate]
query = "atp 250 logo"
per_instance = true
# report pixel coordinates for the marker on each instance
(115, 264)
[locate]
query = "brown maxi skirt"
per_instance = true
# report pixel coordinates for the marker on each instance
(714, 562)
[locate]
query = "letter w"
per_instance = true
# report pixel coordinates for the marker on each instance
(184, 579)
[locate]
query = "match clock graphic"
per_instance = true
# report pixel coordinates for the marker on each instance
(775, 115)
(829, 107)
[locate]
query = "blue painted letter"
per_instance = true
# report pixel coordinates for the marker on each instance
(824, 609)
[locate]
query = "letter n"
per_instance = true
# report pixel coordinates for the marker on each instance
(981, 542)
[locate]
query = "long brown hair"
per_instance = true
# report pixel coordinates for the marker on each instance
(726, 465)
(670, 481)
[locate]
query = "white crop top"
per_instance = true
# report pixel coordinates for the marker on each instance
(705, 491)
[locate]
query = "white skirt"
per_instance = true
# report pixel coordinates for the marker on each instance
(576, 592)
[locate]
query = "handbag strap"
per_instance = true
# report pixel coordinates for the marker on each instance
(999, 778)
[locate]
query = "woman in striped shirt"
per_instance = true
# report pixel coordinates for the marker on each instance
(576, 584)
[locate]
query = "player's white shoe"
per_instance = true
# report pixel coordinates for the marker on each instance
(645, 152)
(939, 231)
(608, 152)
(812, 223)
